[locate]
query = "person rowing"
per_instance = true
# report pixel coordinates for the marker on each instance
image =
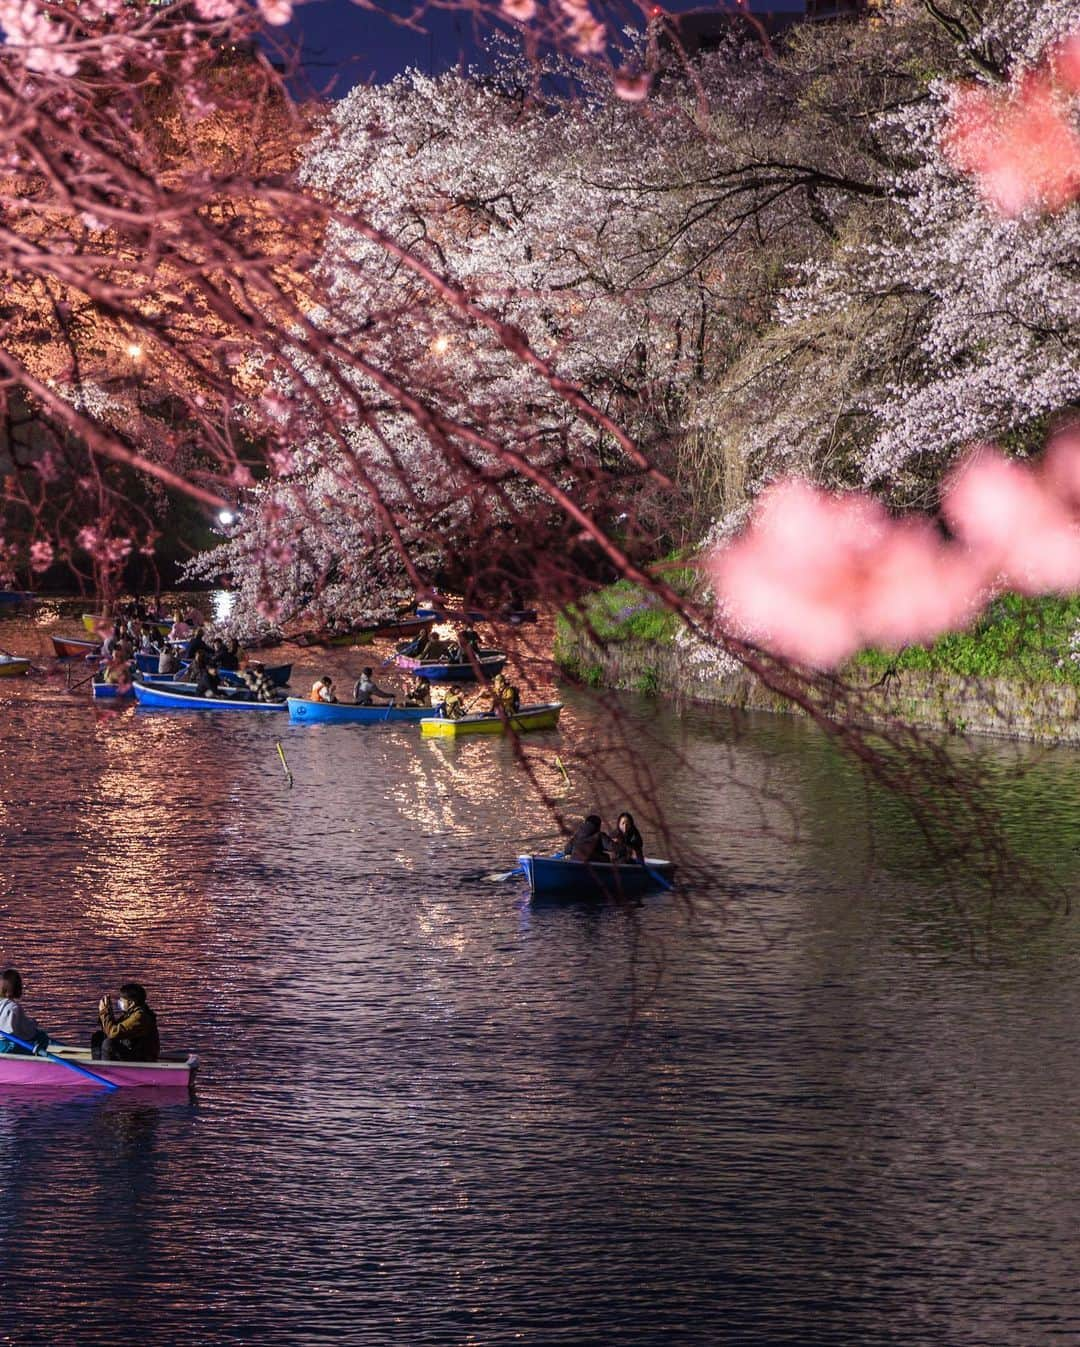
(588, 844)
(14, 1020)
(366, 690)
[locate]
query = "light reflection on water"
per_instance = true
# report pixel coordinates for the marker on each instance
(790, 1110)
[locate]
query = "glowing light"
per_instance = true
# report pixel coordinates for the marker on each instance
(225, 518)
(441, 344)
(134, 350)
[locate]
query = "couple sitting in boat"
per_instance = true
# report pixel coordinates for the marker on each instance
(622, 847)
(128, 1028)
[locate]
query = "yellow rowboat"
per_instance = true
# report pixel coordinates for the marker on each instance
(11, 666)
(544, 717)
(93, 622)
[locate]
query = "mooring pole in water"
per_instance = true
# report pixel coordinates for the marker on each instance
(281, 755)
(565, 773)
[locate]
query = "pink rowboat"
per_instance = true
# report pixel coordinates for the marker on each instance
(172, 1071)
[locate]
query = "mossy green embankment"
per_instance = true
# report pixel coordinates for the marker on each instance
(1014, 672)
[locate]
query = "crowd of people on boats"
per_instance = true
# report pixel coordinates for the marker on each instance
(127, 1027)
(503, 697)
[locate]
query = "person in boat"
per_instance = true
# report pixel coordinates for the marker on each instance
(204, 675)
(255, 679)
(15, 1020)
(453, 704)
(365, 690)
(129, 1030)
(228, 655)
(626, 846)
(198, 645)
(322, 690)
(118, 671)
(180, 630)
(468, 637)
(418, 692)
(504, 696)
(435, 651)
(167, 662)
(589, 843)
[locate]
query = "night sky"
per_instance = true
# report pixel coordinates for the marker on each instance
(343, 45)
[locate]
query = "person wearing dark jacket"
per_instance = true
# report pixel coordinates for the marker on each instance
(626, 844)
(128, 1032)
(587, 844)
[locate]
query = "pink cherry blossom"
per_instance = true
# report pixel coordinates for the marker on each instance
(1022, 147)
(1016, 521)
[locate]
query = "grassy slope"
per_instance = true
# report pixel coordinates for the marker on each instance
(1017, 638)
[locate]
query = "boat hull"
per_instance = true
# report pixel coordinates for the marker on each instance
(16, 599)
(553, 877)
(107, 692)
(160, 697)
(491, 663)
(544, 717)
(14, 668)
(73, 647)
(279, 675)
(515, 616)
(344, 713)
(18, 1068)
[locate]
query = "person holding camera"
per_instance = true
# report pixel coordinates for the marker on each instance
(129, 1031)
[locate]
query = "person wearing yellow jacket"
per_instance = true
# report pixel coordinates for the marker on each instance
(129, 1031)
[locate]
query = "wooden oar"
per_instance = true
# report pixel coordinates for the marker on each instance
(52, 1057)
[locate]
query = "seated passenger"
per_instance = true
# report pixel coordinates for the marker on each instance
(453, 704)
(322, 690)
(366, 690)
(14, 1020)
(257, 683)
(626, 844)
(118, 671)
(129, 1031)
(419, 693)
(205, 676)
(587, 844)
(229, 655)
(167, 663)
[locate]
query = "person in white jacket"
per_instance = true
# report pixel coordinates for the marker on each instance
(15, 1020)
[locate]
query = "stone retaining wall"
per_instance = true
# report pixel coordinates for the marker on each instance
(1046, 713)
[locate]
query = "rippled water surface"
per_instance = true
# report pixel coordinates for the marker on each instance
(791, 1106)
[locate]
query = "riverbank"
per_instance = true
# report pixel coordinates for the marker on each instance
(1029, 709)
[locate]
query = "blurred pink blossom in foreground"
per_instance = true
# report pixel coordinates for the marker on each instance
(817, 577)
(1022, 146)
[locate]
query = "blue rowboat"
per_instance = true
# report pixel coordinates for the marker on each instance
(346, 713)
(556, 877)
(17, 598)
(110, 691)
(491, 663)
(515, 616)
(183, 697)
(279, 675)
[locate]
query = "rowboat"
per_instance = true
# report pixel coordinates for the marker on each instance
(172, 1070)
(543, 717)
(557, 877)
(73, 647)
(183, 697)
(16, 598)
(328, 637)
(279, 675)
(346, 713)
(104, 691)
(93, 622)
(490, 661)
(11, 666)
(515, 616)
